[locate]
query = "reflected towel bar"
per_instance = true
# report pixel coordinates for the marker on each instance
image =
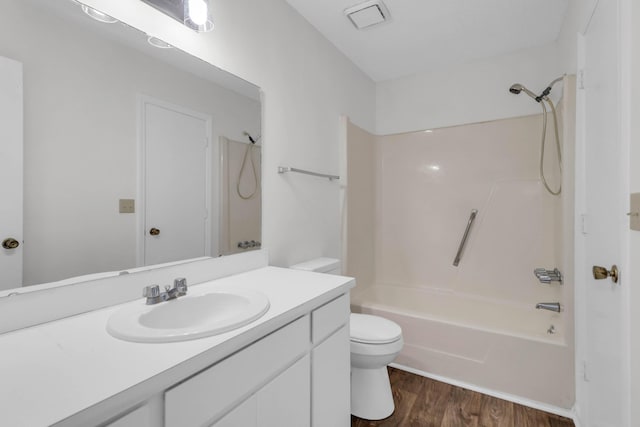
(472, 217)
(282, 169)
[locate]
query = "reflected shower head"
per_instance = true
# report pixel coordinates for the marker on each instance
(253, 141)
(517, 88)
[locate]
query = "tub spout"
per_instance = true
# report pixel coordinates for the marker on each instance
(551, 306)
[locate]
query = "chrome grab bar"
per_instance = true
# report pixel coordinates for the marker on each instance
(472, 217)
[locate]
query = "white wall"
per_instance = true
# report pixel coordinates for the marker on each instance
(469, 93)
(307, 84)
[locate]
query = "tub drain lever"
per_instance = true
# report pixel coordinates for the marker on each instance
(548, 276)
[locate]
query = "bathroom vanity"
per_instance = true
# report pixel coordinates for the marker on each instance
(290, 367)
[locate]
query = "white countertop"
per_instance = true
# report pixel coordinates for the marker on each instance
(55, 370)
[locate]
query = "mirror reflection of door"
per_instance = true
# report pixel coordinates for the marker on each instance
(175, 184)
(11, 174)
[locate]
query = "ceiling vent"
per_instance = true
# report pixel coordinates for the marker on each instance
(367, 14)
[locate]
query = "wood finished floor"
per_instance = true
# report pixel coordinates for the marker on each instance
(423, 402)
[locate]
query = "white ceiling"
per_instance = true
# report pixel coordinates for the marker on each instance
(428, 34)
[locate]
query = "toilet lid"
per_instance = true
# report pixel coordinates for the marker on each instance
(369, 329)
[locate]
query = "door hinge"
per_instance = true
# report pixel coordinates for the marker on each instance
(581, 79)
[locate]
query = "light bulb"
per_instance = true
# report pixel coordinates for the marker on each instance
(198, 12)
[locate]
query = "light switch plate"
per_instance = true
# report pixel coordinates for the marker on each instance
(634, 215)
(127, 206)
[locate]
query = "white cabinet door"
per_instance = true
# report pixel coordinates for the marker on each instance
(207, 396)
(331, 382)
(286, 401)
(244, 415)
(11, 171)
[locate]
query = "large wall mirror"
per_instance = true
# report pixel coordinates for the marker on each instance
(134, 155)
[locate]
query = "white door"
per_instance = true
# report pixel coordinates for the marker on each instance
(11, 174)
(176, 186)
(603, 386)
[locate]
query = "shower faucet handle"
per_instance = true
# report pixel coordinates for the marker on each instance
(547, 276)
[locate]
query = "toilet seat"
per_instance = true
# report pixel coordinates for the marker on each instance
(368, 329)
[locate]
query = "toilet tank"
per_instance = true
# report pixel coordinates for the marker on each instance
(320, 265)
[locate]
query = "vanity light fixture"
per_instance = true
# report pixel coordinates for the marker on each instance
(97, 15)
(160, 44)
(194, 14)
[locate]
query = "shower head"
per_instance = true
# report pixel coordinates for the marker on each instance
(517, 88)
(253, 141)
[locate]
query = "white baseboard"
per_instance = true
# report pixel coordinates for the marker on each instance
(568, 413)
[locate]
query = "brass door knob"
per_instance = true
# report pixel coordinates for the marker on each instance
(600, 273)
(154, 232)
(10, 243)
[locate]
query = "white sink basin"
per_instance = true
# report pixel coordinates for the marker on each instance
(188, 317)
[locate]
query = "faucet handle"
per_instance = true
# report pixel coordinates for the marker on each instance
(544, 279)
(180, 284)
(540, 271)
(151, 291)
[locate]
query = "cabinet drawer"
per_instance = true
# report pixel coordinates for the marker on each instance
(329, 318)
(208, 395)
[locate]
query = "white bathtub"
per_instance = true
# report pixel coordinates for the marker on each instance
(493, 345)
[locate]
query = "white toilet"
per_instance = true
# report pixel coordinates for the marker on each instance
(375, 342)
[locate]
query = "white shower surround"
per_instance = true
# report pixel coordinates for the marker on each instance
(476, 323)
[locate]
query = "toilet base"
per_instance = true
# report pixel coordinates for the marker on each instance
(371, 397)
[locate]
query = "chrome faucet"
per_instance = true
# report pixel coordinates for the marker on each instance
(551, 306)
(154, 296)
(548, 276)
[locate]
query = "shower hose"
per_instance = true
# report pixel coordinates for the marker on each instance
(544, 134)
